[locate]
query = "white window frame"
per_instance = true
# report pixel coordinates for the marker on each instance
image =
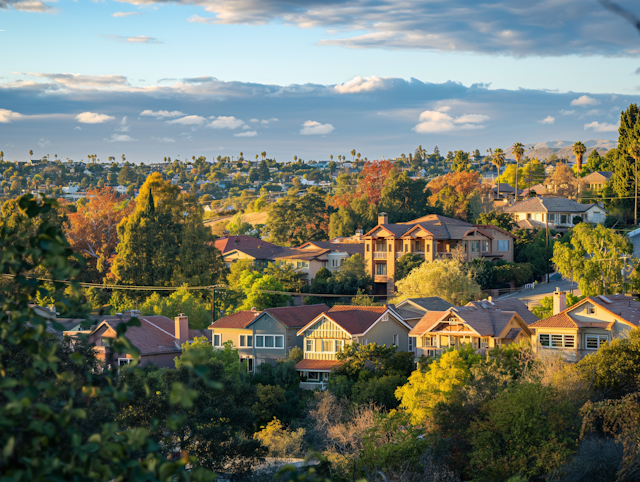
(601, 339)
(264, 342)
(484, 343)
(313, 346)
(127, 361)
(217, 340)
(501, 243)
(395, 340)
(565, 341)
(339, 345)
(412, 343)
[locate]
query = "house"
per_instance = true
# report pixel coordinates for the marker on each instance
(635, 241)
(505, 191)
(234, 248)
(329, 332)
(535, 190)
(120, 189)
(597, 180)
(433, 237)
(413, 309)
(480, 325)
(264, 336)
(158, 339)
(581, 329)
(558, 212)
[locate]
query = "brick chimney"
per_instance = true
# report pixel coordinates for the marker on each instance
(559, 301)
(383, 218)
(182, 328)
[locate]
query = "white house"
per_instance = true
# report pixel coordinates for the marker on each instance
(535, 213)
(120, 189)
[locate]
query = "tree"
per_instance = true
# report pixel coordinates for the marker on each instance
(563, 182)
(461, 162)
(57, 412)
(443, 277)
(407, 263)
(593, 258)
(295, 220)
(438, 383)
(351, 277)
(454, 193)
(500, 220)
(578, 151)
(595, 162)
(93, 229)
(624, 165)
(498, 161)
(353, 153)
(126, 175)
(404, 198)
(518, 151)
(252, 283)
(181, 301)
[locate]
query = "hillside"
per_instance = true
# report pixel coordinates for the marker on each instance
(562, 149)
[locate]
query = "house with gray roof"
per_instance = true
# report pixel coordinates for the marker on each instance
(558, 212)
(432, 237)
(597, 180)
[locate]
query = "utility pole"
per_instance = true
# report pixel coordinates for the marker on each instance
(547, 272)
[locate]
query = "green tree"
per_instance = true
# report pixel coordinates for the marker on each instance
(351, 277)
(578, 151)
(406, 263)
(443, 277)
(518, 151)
(252, 283)
(498, 161)
(500, 220)
(545, 308)
(126, 175)
(295, 220)
(461, 162)
(181, 301)
(624, 165)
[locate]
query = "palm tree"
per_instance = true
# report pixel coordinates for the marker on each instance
(241, 155)
(263, 154)
(578, 151)
(295, 158)
(1, 156)
(330, 156)
(358, 155)
(518, 151)
(353, 153)
(30, 154)
(498, 161)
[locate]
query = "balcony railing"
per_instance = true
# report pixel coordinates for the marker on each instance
(313, 385)
(379, 255)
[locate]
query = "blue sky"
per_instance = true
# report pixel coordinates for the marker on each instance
(379, 76)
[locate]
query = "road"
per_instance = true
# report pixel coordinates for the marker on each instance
(532, 297)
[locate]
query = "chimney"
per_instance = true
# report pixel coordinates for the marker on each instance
(490, 299)
(559, 301)
(182, 328)
(358, 234)
(383, 218)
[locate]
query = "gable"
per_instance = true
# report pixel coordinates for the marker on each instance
(325, 327)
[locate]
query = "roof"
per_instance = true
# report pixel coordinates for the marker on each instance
(548, 205)
(319, 365)
(429, 303)
(623, 307)
(537, 188)
(240, 319)
(598, 176)
(355, 320)
(241, 243)
(156, 334)
(485, 322)
(531, 224)
(507, 305)
(297, 316)
(513, 333)
(427, 321)
(305, 254)
(351, 248)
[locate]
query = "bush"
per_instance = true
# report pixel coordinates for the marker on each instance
(281, 442)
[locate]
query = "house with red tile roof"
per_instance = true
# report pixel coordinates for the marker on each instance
(158, 338)
(264, 336)
(581, 329)
(329, 332)
(482, 325)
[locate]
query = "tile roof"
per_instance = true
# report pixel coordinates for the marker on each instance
(239, 319)
(561, 320)
(230, 243)
(548, 205)
(427, 321)
(296, 316)
(308, 364)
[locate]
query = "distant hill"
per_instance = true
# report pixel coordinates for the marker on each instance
(562, 149)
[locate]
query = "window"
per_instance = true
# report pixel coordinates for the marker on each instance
(249, 364)
(385, 317)
(269, 341)
(279, 341)
(328, 346)
(395, 340)
(484, 343)
(591, 310)
(310, 345)
(381, 269)
(242, 340)
(313, 376)
(367, 247)
(557, 341)
(475, 246)
(412, 343)
(339, 345)
(596, 217)
(124, 361)
(528, 215)
(249, 340)
(389, 248)
(563, 219)
(551, 217)
(593, 342)
(503, 245)
(485, 246)
(428, 246)
(106, 341)
(216, 340)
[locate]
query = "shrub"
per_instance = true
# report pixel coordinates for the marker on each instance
(281, 442)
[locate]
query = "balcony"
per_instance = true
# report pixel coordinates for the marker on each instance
(313, 385)
(379, 255)
(380, 278)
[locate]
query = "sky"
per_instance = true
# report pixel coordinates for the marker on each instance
(178, 78)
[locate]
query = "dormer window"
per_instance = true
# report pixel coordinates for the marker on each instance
(591, 310)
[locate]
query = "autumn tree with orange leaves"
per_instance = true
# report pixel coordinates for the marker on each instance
(371, 181)
(459, 195)
(92, 230)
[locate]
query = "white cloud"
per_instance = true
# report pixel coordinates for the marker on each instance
(584, 100)
(120, 138)
(359, 84)
(567, 112)
(76, 80)
(123, 127)
(431, 121)
(163, 139)
(246, 134)
(444, 108)
(310, 128)
(225, 122)
(254, 120)
(190, 120)
(93, 118)
(7, 116)
(245, 127)
(28, 6)
(44, 142)
(601, 127)
(547, 120)
(78, 128)
(160, 114)
(141, 39)
(126, 14)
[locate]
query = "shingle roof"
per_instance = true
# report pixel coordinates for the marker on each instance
(354, 322)
(427, 321)
(507, 305)
(230, 243)
(378, 309)
(351, 248)
(239, 319)
(537, 188)
(320, 365)
(297, 316)
(265, 251)
(548, 205)
(305, 254)
(431, 303)
(513, 333)
(597, 176)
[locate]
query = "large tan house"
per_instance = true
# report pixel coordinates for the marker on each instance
(329, 332)
(433, 237)
(479, 324)
(581, 329)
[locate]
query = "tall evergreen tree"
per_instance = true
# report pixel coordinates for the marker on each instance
(624, 165)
